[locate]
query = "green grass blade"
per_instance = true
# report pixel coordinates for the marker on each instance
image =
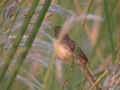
(109, 28)
(28, 44)
(16, 42)
(50, 67)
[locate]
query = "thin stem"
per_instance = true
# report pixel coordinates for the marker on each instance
(50, 67)
(99, 79)
(89, 75)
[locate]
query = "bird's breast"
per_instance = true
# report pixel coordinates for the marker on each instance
(62, 51)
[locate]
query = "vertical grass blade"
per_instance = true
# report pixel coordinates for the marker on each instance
(28, 44)
(109, 28)
(50, 67)
(16, 42)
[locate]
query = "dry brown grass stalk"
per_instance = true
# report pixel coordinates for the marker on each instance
(65, 30)
(77, 7)
(94, 34)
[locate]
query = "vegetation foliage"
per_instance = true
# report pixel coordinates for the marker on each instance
(28, 60)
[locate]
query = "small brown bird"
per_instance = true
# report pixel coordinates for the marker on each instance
(65, 50)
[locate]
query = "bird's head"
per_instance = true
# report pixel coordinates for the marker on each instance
(57, 30)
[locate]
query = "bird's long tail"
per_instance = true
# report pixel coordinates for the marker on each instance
(89, 75)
